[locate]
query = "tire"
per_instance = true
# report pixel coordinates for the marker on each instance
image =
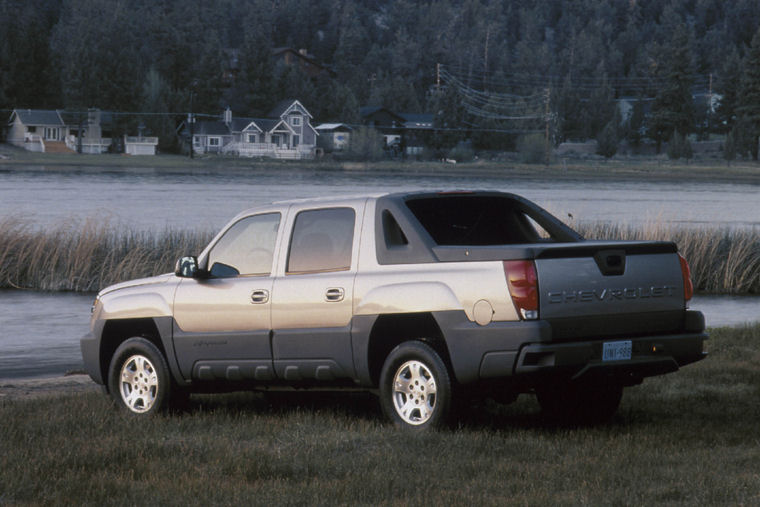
(415, 387)
(585, 404)
(138, 378)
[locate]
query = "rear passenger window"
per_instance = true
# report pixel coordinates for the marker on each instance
(322, 240)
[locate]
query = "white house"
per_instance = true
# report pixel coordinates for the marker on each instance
(286, 134)
(37, 130)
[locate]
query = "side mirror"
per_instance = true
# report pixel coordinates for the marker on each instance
(186, 267)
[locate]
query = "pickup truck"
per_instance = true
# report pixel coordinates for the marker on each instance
(426, 299)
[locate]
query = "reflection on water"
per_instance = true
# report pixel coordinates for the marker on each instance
(40, 332)
(145, 199)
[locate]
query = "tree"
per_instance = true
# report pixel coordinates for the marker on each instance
(607, 140)
(729, 148)
(155, 99)
(672, 109)
(749, 102)
(448, 121)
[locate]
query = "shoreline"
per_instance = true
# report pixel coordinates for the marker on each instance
(14, 159)
(12, 389)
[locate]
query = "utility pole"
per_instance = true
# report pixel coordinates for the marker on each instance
(191, 121)
(547, 117)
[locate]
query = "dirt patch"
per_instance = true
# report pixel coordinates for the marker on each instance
(15, 389)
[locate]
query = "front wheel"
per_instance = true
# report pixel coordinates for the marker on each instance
(138, 378)
(415, 388)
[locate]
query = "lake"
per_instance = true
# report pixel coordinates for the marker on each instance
(145, 199)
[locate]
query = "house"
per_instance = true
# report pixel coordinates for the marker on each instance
(38, 130)
(402, 131)
(333, 136)
(88, 132)
(286, 133)
(140, 145)
(306, 63)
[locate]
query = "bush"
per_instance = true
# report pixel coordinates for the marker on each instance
(366, 144)
(607, 141)
(532, 149)
(462, 152)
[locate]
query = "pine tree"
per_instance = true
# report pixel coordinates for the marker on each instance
(749, 101)
(673, 109)
(607, 140)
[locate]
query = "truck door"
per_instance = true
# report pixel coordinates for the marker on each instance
(313, 295)
(222, 323)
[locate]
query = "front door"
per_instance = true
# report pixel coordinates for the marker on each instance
(312, 300)
(222, 323)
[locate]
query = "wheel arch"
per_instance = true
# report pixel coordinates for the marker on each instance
(117, 331)
(389, 331)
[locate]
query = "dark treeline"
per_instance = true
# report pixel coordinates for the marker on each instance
(504, 64)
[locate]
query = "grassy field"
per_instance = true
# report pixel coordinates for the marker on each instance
(89, 256)
(689, 438)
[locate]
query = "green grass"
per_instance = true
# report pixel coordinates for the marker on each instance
(689, 438)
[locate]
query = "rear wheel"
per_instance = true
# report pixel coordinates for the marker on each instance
(138, 378)
(415, 388)
(579, 403)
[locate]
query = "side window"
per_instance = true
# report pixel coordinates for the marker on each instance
(247, 248)
(322, 241)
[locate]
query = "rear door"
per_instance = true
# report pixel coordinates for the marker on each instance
(312, 298)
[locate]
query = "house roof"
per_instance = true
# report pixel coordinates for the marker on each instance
(38, 117)
(211, 128)
(417, 119)
(367, 111)
(282, 108)
(334, 126)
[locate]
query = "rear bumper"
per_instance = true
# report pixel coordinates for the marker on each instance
(651, 355)
(529, 353)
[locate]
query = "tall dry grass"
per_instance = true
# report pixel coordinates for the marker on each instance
(721, 260)
(87, 256)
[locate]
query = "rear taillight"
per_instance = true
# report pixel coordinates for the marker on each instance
(523, 287)
(688, 286)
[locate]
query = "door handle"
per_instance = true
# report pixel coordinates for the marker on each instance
(335, 294)
(259, 296)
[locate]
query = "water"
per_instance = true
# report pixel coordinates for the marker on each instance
(146, 199)
(40, 332)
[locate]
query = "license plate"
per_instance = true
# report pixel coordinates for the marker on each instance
(616, 351)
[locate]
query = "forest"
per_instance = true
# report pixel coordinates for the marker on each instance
(484, 68)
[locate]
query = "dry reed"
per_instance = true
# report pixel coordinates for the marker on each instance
(722, 260)
(86, 256)
(90, 255)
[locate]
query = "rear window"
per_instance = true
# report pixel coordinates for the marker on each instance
(476, 221)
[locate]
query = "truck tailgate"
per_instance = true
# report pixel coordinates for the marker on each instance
(611, 289)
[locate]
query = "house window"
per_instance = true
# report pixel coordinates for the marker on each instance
(276, 139)
(213, 141)
(295, 121)
(251, 138)
(196, 141)
(295, 141)
(31, 130)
